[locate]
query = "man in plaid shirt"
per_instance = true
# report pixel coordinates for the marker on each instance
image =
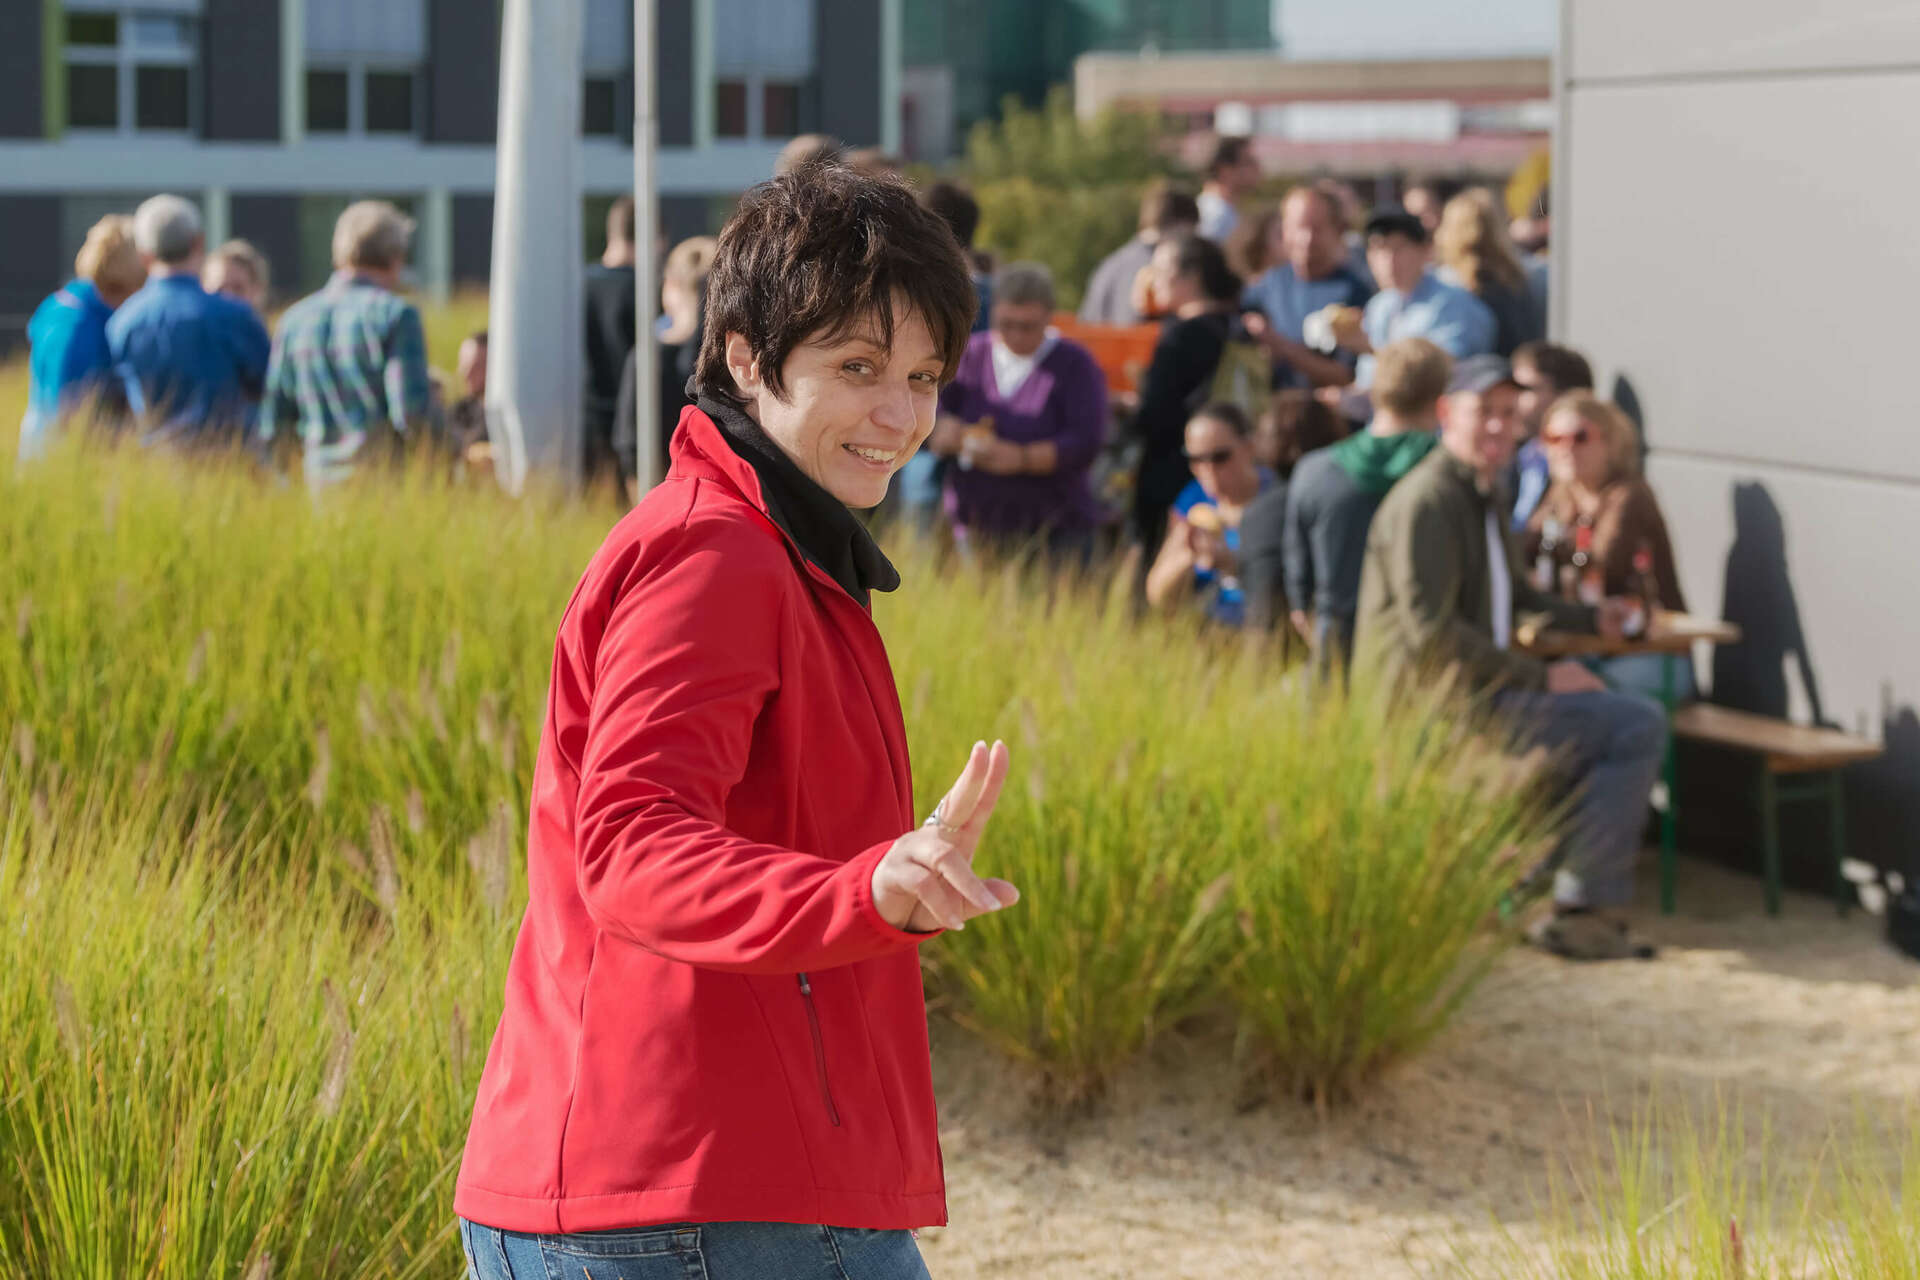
(350, 362)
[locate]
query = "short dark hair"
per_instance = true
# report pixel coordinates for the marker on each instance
(478, 336)
(952, 203)
(1397, 222)
(1166, 208)
(1566, 368)
(1229, 415)
(1227, 152)
(1201, 258)
(1299, 423)
(814, 254)
(620, 220)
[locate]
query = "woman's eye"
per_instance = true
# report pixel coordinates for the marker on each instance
(857, 366)
(927, 379)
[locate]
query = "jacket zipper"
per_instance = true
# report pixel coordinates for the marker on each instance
(819, 1050)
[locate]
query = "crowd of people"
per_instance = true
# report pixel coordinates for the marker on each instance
(1350, 432)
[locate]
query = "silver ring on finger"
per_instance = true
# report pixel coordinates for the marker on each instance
(938, 821)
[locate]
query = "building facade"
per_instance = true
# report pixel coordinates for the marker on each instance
(1733, 245)
(963, 57)
(274, 114)
(1358, 119)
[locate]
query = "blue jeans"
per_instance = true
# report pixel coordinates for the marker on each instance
(1643, 673)
(1609, 746)
(690, 1251)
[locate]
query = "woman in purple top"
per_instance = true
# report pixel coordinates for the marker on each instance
(1021, 424)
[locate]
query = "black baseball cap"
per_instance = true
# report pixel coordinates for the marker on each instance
(1395, 221)
(1480, 373)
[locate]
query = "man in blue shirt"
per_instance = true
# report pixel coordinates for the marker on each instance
(192, 363)
(1412, 302)
(1314, 274)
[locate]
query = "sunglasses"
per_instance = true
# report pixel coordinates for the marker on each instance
(1576, 437)
(1218, 458)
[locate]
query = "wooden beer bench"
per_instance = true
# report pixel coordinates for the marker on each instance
(1797, 763)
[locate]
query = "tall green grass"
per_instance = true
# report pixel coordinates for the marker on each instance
(265, 766)
(1685, 1195)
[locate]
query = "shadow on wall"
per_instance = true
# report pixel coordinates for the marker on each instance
(1883, 802)
(1759, 598)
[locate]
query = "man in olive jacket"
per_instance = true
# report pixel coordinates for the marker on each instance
(1438, 590)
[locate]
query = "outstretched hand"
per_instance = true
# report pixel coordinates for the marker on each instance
(926, 880)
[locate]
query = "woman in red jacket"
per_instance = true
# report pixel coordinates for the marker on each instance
(713, 1058)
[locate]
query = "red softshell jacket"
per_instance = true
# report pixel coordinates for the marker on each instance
(706, 1018)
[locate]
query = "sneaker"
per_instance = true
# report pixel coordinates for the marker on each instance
(1582, 935)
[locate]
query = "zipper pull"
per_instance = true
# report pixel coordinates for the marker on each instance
(806, 988)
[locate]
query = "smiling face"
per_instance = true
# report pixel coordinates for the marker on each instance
(855, 410)
(1480, 427)
(1396, 261)
(1577, 451)
(1309, 235)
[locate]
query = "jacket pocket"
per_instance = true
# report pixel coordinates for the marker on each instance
(819, 1050)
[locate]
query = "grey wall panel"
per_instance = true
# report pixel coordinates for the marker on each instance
(22, 109)
(463, 79)
(240, 72)
(32, 266)
(272, 224)
(673, 64)
(847, 49)
(472, 239)
(1731, 247)
(1639, 38)
(1830, 630)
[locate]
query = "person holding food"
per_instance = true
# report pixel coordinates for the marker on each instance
(1200, 557)
(713, 1056)
(1023, 421)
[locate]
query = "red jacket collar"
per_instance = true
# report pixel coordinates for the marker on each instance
(700, 450)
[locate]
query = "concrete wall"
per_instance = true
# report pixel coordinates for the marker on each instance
(1733, 206)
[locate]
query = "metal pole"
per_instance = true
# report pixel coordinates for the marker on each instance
(646, 219)
(534, 370)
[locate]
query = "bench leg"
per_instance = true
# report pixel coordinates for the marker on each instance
(1837, 817)
(1770, 838)
(1670, 815)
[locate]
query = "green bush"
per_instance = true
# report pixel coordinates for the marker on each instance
(1060, 190)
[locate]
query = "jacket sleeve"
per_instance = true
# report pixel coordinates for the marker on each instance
(1082, 402)
(1261, 536)
(1426, 576)
(688, 661)
(1296, 542)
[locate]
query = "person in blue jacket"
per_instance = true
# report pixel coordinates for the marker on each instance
(69, 361)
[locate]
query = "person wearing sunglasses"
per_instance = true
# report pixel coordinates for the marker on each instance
(1593, 455)
(1201, 553)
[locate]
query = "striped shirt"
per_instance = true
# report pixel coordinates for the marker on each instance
(348, 361)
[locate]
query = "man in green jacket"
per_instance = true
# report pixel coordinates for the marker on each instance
(1438, 590)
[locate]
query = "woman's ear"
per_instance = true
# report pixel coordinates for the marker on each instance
(742, 365)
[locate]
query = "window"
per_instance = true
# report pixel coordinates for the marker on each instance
(764, 73)
(730, 109)
(599, 107)
(130, 66)
(389, 102)
(364, 75)
(606, 56)
(779, 110)
(327, 101)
